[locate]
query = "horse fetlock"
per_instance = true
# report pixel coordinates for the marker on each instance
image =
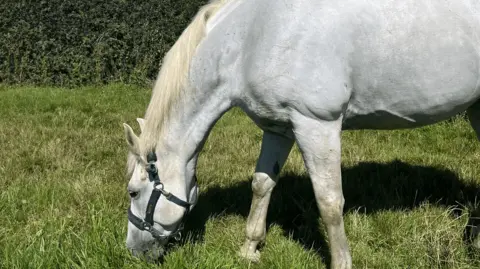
(249, 251)
(476, 237)
(262, 184)
(256, 232)
(341, 265)
(341, 260)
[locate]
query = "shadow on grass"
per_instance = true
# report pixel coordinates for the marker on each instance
(369, 186)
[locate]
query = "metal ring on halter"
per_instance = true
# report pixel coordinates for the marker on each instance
(161, 186)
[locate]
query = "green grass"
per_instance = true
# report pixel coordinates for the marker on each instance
(63, 196)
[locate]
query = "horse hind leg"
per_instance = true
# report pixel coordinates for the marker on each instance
(320, 144)
(473, 113)
(274, 153)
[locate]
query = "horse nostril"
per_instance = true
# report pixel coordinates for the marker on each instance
(133, 194)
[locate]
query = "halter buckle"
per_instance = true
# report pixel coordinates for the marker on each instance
(146, 226)
(151, 168)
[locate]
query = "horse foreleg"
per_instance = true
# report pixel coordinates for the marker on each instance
(319, 142)
(274, 152)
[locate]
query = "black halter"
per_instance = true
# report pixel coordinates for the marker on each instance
(158, 190)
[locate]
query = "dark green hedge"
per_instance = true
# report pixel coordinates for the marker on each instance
(78, 42)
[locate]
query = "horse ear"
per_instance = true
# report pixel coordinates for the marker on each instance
(132, 139)
(141, 122)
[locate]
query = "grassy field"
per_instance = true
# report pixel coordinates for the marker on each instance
(63, 196)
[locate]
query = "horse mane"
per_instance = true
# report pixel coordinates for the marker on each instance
(172, 81)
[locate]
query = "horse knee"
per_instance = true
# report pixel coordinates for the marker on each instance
(331, 209)
(262, 184)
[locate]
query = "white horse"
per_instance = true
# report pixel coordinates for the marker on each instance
(303, 71)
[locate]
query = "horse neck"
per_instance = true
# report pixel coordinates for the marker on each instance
(191, 121)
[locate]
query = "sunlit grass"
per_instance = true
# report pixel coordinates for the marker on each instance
(63, 193)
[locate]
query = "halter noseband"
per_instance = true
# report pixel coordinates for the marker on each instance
(158, 190)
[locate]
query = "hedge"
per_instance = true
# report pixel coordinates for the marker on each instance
(78, 42)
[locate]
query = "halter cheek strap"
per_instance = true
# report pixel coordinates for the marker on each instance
(158, 190)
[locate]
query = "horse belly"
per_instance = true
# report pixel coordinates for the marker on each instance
(412, 69)
(398, 102)
(408, 116)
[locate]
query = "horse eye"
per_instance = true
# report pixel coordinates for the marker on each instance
(133, 194)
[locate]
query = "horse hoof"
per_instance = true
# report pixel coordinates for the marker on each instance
(250, 256)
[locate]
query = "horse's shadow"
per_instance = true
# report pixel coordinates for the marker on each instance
(369, 186)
